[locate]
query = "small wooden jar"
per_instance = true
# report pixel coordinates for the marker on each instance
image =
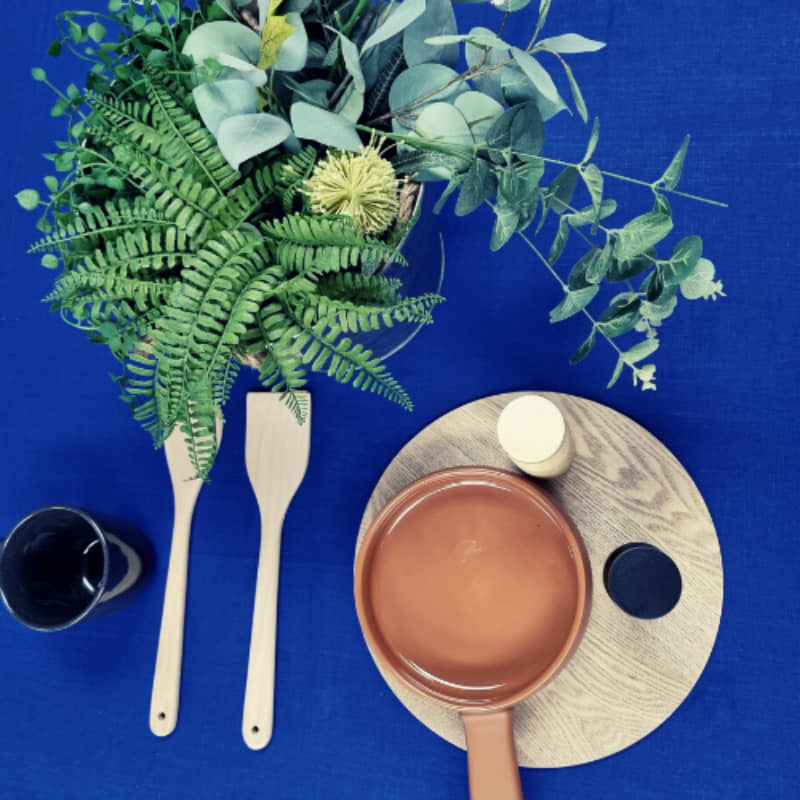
(533, 432)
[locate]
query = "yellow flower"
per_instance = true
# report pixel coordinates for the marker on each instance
(362, 186)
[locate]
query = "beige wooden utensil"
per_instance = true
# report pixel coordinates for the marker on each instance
(276, 454)
(167, 677)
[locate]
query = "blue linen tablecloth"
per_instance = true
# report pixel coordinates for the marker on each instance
(74, 706)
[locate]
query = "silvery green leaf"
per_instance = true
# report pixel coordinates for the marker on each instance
(544, 9)
(400, 18)
(527, 132)
(641, 233)
(577, 96)
(593, 263)
(316, 54)
(498, 137)
(510, 5)
(318, 125)
(293, 53)
(217, 38)
(452, 185)
(560, 241)
(332, 54)
(616, 373)
(421, 81)
(478, 184)
(489, 83)
(673, 172)
(683, 260)
(480, 111)
(482, 40)
(516, 88)
(298, 6)
(222, 99)
(351, 104)
(537, 75)
(315, 91)
(226, 6)
(587, 215)
(621, 315)
(623, 270)
(559, 193)
(505, 225)
(444, 123)
(240, 138)
(661, 204)
(656, 313)
(249, 72)
(640, 351)
(573, 303)
(352, 62)
(593, 180)
(585, 348)
(570, 43)
(701, 282)
(592, 144)
(438, 19)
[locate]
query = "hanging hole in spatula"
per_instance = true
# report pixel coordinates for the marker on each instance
(642, 580)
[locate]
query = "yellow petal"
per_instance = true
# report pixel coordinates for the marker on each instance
(275, 32)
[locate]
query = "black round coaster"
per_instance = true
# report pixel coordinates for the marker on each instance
(642, 580)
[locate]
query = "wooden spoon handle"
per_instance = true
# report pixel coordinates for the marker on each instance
(167, 677)
(260, 689)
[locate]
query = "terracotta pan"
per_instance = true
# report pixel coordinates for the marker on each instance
(472, 589)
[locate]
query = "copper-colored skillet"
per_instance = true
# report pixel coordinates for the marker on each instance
(472, 589)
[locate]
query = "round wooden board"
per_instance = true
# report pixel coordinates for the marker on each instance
(628, 675)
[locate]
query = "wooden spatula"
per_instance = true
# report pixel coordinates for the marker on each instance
(276, 454)
(167, 677)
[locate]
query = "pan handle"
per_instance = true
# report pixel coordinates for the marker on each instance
(493, 770)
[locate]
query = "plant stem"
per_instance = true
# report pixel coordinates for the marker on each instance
(351, 23)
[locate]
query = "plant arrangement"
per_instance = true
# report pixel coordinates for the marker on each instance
(235, 174)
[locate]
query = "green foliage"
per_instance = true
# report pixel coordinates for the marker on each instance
(185, 267)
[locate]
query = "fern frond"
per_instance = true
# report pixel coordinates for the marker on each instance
(91, 224)
(379, 93)
(315, 245)
(291, 173)
(358, 288)
(187, 142)
(84, 287)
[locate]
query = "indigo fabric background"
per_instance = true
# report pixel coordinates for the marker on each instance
(74, 705)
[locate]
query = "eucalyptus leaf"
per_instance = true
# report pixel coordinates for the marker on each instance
(640, 351)
(577, 96)
(591, 268)
(537, 75)
(293, 53)
(425, 81)
(641, 233)
(510, 5)
(477, 185)
(438, 19)
(351, 104)
(401, 17)
(593, 180)
(352, 62)
(573, 303)
(624, 270)
(505, 225)
(621, 315)
(445, 123)
(315, 91)
(570, 43)
(527, 132)
(248, 71)
(683, 260)
(517, 88)
(480, 111)
(701, 282)
(240, 138)
(217, 101)
(673, 172)
(559, 242)
(216, 38)
(491, 82)
(585, 348)
(615, 375)
(594, 136)
(498, 137)
(318, 125)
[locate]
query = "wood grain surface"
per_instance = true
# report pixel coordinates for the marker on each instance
(628, 675)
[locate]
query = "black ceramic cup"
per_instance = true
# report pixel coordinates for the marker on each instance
(59, 566)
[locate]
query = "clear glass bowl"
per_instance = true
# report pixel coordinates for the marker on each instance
(423, 248)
